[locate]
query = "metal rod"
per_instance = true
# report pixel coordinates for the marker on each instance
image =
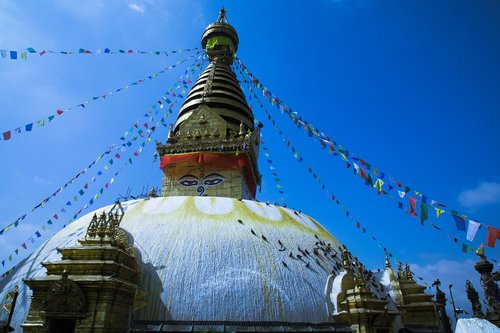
(453, 303)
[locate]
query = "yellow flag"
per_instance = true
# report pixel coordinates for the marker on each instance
(438, 212)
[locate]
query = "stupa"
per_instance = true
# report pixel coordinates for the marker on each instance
(204, 255)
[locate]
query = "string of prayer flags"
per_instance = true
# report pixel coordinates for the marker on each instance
(274, 172)
(411, 210)
(147, 139)
(348, 214)
(90, 202)
(114, 146)
(16, 55)
(364, 169)
(7, 135)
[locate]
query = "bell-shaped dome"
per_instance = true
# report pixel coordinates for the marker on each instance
(208, 258)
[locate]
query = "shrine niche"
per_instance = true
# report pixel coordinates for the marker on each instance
(65, 299)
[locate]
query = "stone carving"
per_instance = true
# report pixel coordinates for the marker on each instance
(473, 297)
(64, 297)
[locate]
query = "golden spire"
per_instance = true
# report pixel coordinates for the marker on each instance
(408, 273)
(480, 251)
(387, 262)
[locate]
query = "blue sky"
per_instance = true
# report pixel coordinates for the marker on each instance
(412, 87)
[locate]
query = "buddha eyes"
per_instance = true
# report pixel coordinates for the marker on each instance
(213, 181)
(210, 180)
(188, 182)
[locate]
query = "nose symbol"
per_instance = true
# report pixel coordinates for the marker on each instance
(200, 190)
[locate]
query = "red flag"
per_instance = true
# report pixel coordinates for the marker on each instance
(23, 245)
(6, 135)
(60, 112)
(493, 235)
(413, 204)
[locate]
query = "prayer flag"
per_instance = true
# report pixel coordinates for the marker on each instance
(413, 204)
(378, 185)
(13, 54)
(472, 229)
(38, 234)
(438, 212)
(424, 212)
(493, 235)
(460, 222)
(6, 135)
(29, 127)
(24, 245)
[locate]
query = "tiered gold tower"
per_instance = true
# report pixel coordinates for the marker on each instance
(212, 150)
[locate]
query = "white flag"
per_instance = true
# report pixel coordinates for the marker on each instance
(401, 194)
(472, 229)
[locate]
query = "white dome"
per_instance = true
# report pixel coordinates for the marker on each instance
(200, 263)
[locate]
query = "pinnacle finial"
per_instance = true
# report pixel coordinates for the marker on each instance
(408, 272)
(387, 262)
(222, 15)
(480, 251)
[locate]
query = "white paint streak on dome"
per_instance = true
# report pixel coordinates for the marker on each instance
(166, 205)
(199, 263)
(270, 212)
(214, 205)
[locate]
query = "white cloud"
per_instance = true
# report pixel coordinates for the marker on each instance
(136, 7)
(41, 181)
(485, 193)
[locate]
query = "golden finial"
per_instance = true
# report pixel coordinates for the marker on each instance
(345, 260)
(387, 262)
(408, 273)
(241, 132)
(400, 271)
(360, 277)
(222, 15)
(480, 251)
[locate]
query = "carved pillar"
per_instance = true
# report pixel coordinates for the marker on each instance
(491, 291)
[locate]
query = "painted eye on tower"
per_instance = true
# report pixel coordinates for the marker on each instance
(213, 179)
(188, 180)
